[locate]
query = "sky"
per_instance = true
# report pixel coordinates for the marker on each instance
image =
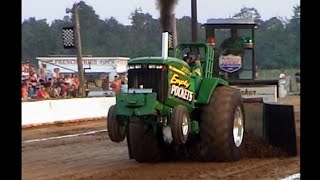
(121, 9)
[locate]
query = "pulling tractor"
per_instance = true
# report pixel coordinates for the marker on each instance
(170, 112)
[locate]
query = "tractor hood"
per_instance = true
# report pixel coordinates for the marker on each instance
(170, 61)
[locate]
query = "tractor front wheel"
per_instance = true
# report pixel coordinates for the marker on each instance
(116, 131)
(180, 125)
(144, 146)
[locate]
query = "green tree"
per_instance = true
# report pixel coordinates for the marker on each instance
(144, 34)
(91, 29)
(56, 27)
(293, 29)
(277, 42)
(37, 39)
(247, 12)
(115, 38)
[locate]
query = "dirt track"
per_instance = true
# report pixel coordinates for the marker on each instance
(96, 157)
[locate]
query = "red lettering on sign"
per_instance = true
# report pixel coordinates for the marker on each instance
(75, 61)
(231, 61)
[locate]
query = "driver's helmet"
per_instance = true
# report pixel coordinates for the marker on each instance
(189, 58)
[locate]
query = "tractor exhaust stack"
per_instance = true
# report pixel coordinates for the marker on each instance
(165, 45)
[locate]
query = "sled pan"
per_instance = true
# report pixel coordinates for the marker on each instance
(273, 122)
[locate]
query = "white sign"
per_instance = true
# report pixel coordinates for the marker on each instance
(267, 92)
(84, 61)
(97, 64)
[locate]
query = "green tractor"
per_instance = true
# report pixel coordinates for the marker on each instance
(169, 111)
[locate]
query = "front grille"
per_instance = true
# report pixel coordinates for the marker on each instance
(150, 78)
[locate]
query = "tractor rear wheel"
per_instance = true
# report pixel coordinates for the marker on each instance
(180, 125)
(116, 131)
(222, 126)
(144, 146)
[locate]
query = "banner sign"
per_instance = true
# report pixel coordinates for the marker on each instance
(267, 92)
(230, 63)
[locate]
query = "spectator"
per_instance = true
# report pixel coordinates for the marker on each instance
(105, 84)
(42, 74)
(24, 91)
(56, 73)
(69, 79)
(116, 85)
(57, 88)
(282, 84)
(72, 90)
(73, 78)
(51, 88)
(34, 84)
(33, 76)
(49, 74)
(76, 82)
(42, 93)
(64, 88)
(25, 73)
(282, 78)
(124, 87)
(29, 88)
(41, 82)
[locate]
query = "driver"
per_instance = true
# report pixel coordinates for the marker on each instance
(233, 45)
(194, 64)
(196, 68)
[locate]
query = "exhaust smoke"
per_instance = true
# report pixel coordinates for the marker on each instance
(166, 8)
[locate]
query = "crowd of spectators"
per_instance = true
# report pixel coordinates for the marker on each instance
(40, 84)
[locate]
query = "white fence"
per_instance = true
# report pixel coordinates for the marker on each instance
(50, 111)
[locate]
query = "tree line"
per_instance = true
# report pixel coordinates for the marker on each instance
(277, 39)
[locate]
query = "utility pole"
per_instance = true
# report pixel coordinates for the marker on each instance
(76, 23)
(194, 21)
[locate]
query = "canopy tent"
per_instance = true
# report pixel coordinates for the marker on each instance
(90, 64)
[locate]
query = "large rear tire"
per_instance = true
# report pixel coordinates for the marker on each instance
(144, 146)
(116, 131)
(222, 126)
